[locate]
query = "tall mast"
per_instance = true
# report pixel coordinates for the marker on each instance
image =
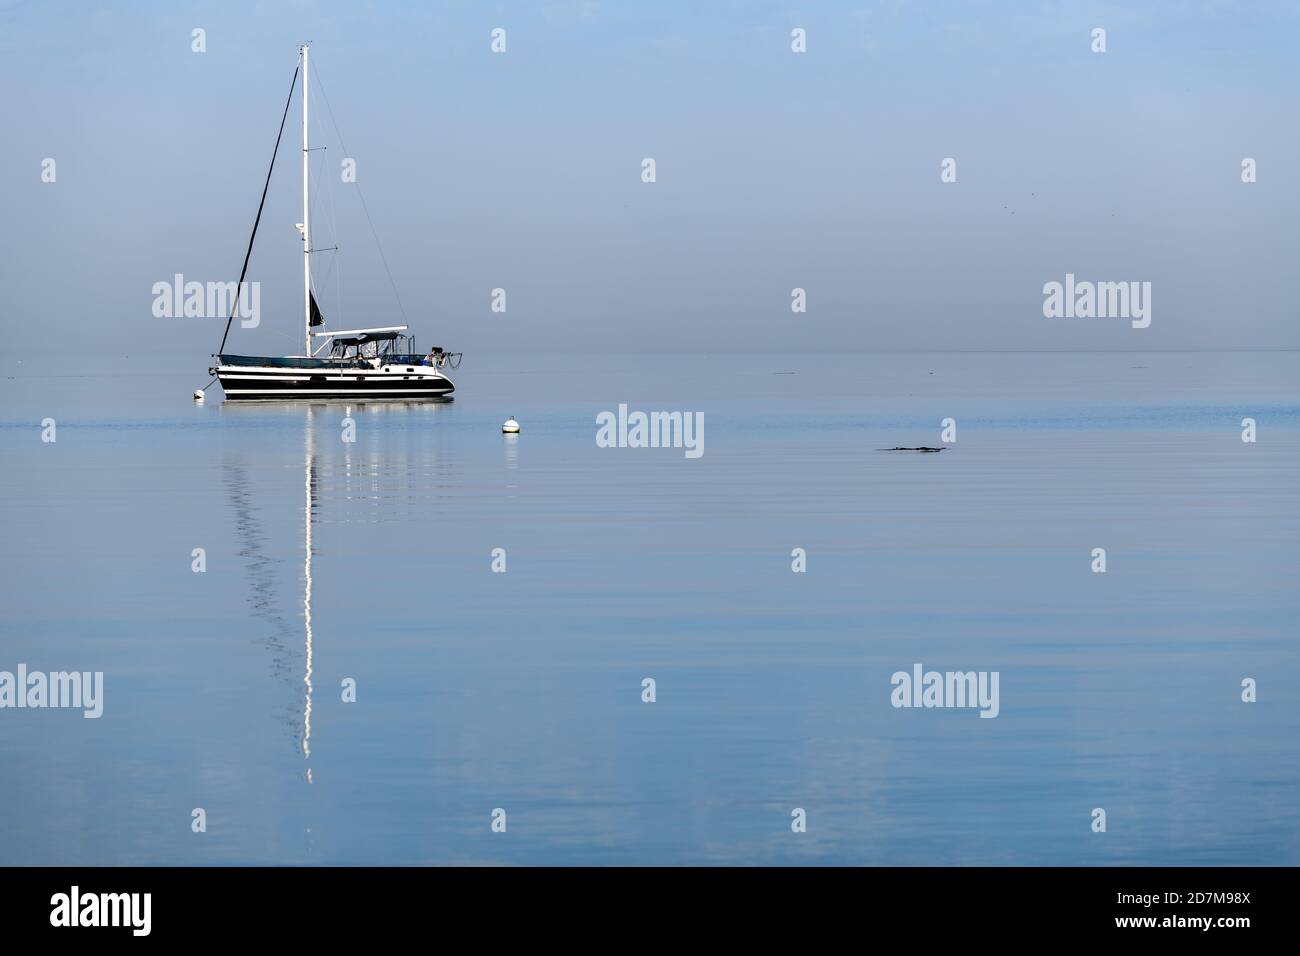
(306, 212)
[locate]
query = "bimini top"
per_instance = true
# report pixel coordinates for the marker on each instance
(364, 337)
(361, 336)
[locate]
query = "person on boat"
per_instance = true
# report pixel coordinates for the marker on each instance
(434, 357)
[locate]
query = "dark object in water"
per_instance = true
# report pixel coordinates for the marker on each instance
(901, 448)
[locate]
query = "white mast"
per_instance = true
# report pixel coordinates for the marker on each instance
(306, 213)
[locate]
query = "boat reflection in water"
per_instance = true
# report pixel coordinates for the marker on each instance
(264, 595)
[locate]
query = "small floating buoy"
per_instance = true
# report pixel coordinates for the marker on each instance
(198, 394)
(511, 427)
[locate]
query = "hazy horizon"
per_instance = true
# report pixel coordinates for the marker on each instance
(775, 170)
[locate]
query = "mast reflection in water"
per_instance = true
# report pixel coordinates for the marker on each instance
(260, 567)
(309, 517)
(264, 570)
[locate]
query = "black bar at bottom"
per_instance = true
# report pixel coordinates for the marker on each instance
(237, 904)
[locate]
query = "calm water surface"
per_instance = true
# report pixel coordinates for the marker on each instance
(371, 560)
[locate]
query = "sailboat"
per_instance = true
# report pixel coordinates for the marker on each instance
(352, 363)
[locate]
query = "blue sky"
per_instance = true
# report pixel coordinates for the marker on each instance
(775, 171)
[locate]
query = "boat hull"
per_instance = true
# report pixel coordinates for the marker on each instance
(386, 382)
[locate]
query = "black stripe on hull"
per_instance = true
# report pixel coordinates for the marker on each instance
(395, 387)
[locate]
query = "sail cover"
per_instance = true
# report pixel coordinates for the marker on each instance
(316, 317)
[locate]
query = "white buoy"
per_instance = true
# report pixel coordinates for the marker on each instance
(511, 427)
(198, 394)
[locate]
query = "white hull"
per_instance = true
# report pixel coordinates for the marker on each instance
(386, 381)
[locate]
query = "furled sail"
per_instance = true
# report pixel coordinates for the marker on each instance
(316, 317)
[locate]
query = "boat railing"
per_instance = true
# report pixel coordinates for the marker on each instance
(422, 358)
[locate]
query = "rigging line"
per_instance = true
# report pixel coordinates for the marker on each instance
(336, 264)
(362, 196)
(318, 211)
(318, 183)
(318, 215)
(284, 336)
(247, 255)
(336, 261)
(328, 271)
